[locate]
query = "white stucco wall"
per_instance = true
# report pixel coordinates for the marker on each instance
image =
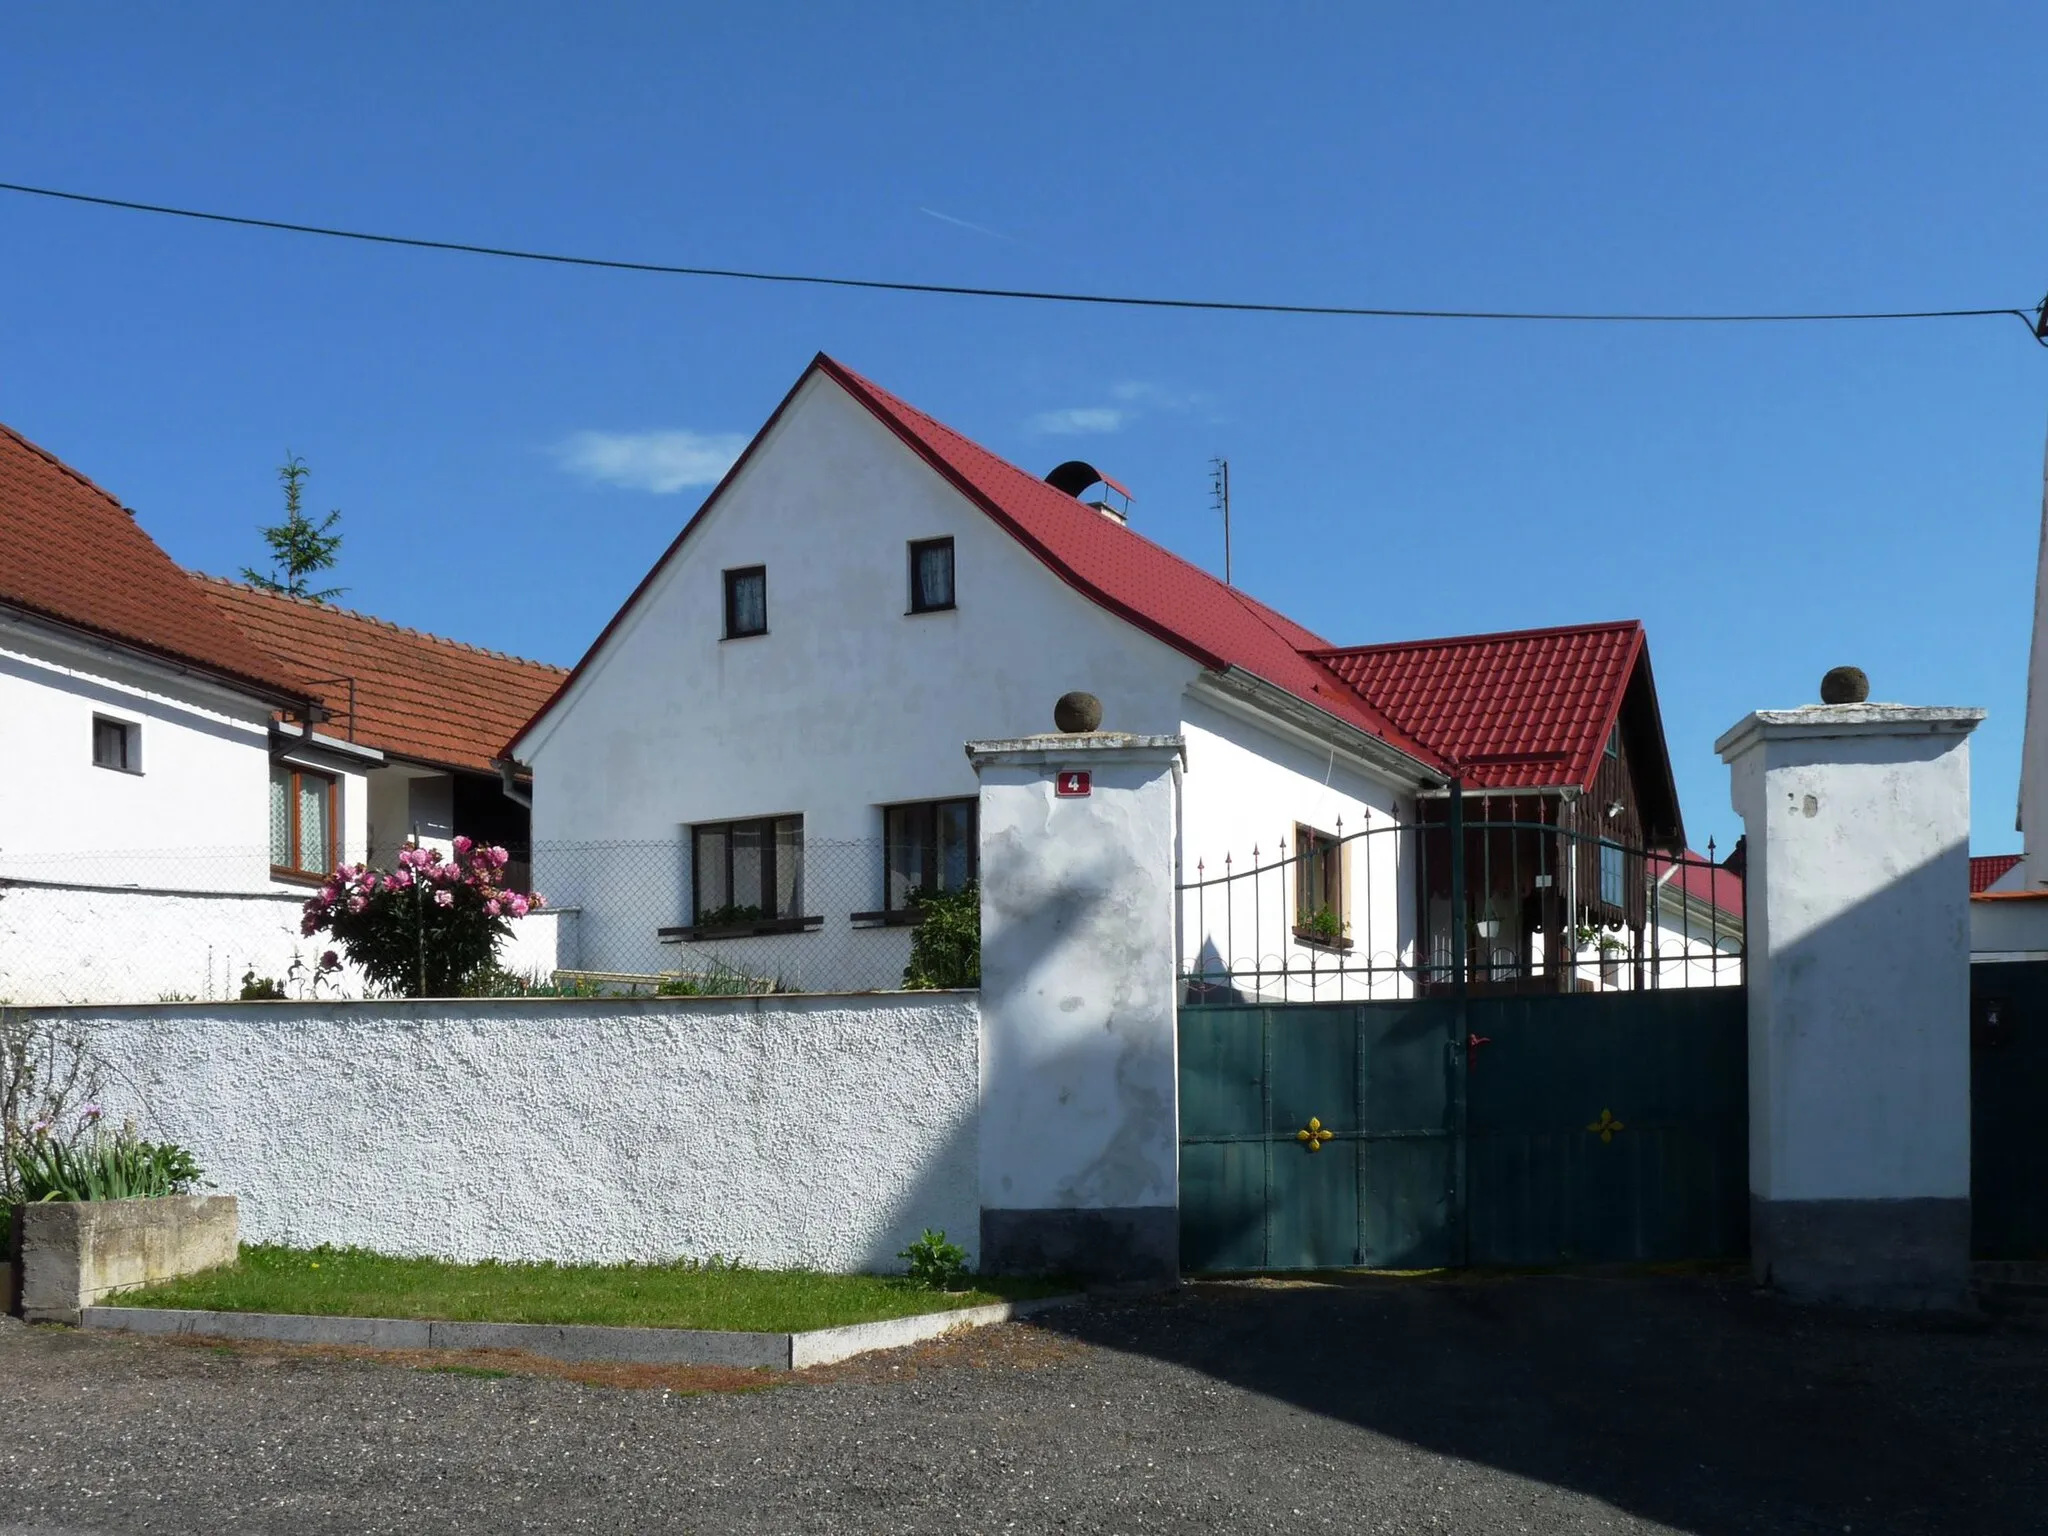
(1858, 824)
(1079, 1088)
(1246, 789)
(196, 816)
(2011, 927)
(820, 1131)
(104, 944)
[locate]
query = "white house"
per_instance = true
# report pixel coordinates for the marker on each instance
(761, 755)
(180, 759)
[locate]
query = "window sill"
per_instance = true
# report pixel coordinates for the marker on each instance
(1316, 940)
(918, 613)
(894, 917)
(296, 876)
(759, 928)
(133, 773)
(752, 634)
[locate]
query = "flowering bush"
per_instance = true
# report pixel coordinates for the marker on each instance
(429, 928)
(94, 1164)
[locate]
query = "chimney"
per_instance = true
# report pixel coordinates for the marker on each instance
(1077, 476)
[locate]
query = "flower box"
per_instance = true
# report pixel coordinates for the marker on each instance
(73, 1252)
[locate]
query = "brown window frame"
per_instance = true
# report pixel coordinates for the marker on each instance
(296, 870)
(896, 838)
(771, 832)
(733, 578)
(918, 604)
(1319, 860)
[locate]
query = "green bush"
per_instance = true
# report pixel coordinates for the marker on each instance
(945, 947)
(99, 1165)
(936, 1264)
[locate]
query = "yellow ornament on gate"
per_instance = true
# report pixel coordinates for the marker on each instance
(1314, 1134)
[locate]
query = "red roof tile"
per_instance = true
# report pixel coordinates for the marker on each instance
(70, 552)
(1708, 883)
(1987, 869)
(1520, 710)
(417, 696)
(1155, 589)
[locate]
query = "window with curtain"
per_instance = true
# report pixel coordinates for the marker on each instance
(931, 575)
(746, 602)
(931, 845)
(302, 820)
(747, 871)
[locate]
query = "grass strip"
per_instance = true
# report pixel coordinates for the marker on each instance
(354, 1282)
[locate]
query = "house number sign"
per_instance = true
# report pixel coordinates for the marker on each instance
(1071, 786)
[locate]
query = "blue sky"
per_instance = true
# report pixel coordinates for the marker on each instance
(511, 446)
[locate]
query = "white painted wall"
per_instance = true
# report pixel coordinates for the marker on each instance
(108, 944)
(1858, 824)
(197, 816)
(817, 1131)
(1247, 787)
(2009, 927)
(1080, 1096)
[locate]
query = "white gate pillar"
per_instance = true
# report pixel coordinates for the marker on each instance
(1080, 1125)
(1858, 825)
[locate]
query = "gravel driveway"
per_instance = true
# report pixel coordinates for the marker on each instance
(1471, 1405)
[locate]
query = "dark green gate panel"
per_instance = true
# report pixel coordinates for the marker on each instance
(1372, 1086)
(2009, 1109)
(1665, 1074)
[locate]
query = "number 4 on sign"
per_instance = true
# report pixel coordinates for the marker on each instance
(1069, 786)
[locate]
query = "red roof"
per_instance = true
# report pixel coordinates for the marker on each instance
(1525, 709)
(1987, 869)
(1125, 572)
(1512, 710)
(72, 553)
(416, 695)
(1707, 883)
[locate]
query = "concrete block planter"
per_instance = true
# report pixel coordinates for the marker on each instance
(581, 1343)
(73, 1252)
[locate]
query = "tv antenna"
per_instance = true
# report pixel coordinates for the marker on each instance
(1219, 492)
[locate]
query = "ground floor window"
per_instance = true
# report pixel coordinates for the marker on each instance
(748, 871)
(1319, 886)
(931, 845)
(302, 820)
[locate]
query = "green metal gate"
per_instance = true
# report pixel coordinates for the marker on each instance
(1318, 1135)
(1505, 1129)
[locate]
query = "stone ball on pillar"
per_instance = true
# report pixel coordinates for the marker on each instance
(1844, 685)
(1077, 713)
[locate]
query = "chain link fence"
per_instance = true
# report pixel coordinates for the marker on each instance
(197, 924)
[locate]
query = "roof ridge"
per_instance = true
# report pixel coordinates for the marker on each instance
(371, 618)
(50, 458)
(1485, 637)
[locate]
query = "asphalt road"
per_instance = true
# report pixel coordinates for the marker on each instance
(1506, 1405)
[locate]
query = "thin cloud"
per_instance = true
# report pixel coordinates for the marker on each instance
(662, 461)
(1078, 419)
(979, 229)
(1158, 397)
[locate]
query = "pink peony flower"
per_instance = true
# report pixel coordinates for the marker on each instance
(356, 903)
(402, 881)
(330, 961)
(518, 903)
(491, 907)
(309, 924)
(444, 898)
(463, 845)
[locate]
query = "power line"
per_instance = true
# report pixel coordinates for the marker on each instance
(2036, 321)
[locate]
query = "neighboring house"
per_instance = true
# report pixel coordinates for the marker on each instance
(134, 717)
(436, 709)
(767, 738)
(1988, 871)
(180, 759)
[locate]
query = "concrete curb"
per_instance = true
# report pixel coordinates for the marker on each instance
(580, 1343)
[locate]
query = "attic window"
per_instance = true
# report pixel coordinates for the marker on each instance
(746, 602)
(931, 575)
(1614, 742)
